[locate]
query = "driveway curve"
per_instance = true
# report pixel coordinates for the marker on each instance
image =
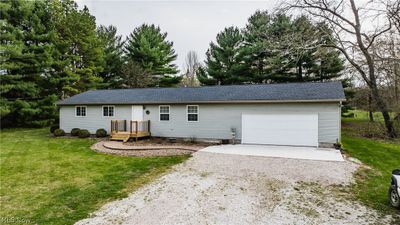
(212, 188)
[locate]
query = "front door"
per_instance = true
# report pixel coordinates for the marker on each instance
(137, 113)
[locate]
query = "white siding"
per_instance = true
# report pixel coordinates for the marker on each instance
(215, 120)
(94, 118)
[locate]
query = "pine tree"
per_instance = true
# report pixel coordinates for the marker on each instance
(26, 55)
(48, 49)
(113, 55)
(79, 54)
(224, 59)
(282, 49)
(258, 46)
(148, 47)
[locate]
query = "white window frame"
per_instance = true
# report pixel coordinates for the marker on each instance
(187, 114)
(159, 113)
(102, 111)
(76, 107)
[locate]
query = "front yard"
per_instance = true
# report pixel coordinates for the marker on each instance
(48, 180)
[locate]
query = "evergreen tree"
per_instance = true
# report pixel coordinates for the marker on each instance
(47, 48)
(25, 57)
(113, 55)
(258, 46)
(79, 54)
(148, 47)
(274, 48)
(293, 51)
(224, 59)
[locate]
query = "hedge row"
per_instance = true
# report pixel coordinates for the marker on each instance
(82, 133)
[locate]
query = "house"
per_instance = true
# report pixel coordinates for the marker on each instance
(299, 114)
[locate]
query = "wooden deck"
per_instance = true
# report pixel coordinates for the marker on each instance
(125, 136)
(137, 129)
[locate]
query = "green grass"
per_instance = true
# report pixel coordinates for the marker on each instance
(381, 155)
(364, 115)
(50, 180)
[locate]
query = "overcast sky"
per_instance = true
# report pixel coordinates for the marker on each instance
(191, 25)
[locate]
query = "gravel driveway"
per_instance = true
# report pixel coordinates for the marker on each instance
(213, 188)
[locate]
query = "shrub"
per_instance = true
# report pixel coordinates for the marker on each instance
(75, 131)
(84, 133)
(101, 133)
(54, 127)
(59, 132)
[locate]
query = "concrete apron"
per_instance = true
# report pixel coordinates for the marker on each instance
(293, 152)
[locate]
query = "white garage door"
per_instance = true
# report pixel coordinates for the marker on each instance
(280, 129)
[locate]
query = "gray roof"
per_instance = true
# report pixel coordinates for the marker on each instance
(328, 91)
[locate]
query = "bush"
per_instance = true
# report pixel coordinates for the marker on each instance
(75, 131)
(59, 132)
(84, 133)
(54, 127)
(101, 133)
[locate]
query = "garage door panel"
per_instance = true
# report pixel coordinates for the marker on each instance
(289, 129)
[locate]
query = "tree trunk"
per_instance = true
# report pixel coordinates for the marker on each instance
(370, 110)
(300, 72)
(371, 116)
(385, 112)
(380, 102)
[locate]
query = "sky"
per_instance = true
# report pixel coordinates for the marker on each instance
(191, 25)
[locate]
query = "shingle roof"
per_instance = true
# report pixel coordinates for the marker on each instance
(327, 91)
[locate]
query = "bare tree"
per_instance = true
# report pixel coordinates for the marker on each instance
(353, 37)
(387, 57)
(393, 11)
(191, 68)
(134, 76)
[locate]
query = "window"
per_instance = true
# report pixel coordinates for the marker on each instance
(192, 113)
(164, 112)
(80, 111)
(108, 111)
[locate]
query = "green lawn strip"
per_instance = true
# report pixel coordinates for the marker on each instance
(60, 180)
(382, 156)
(364, 115)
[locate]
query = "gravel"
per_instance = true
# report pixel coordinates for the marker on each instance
(213, 188)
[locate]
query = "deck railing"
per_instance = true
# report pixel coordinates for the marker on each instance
(135, 126)
(118, 125)
(140, 126)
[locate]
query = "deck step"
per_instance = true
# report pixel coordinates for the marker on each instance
(120, 137)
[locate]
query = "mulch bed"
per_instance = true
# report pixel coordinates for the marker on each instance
(146, 151)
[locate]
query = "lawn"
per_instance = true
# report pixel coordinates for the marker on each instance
(48, 180)
(382, 155)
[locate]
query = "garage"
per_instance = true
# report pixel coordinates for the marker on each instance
(280, 129)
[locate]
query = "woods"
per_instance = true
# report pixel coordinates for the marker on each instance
(272, 48)
(357, 43)
(54, 49)
(51, 50)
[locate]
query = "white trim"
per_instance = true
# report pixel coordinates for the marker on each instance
(159, 113)
(81, 109)
(187, 114)
(102, 111)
